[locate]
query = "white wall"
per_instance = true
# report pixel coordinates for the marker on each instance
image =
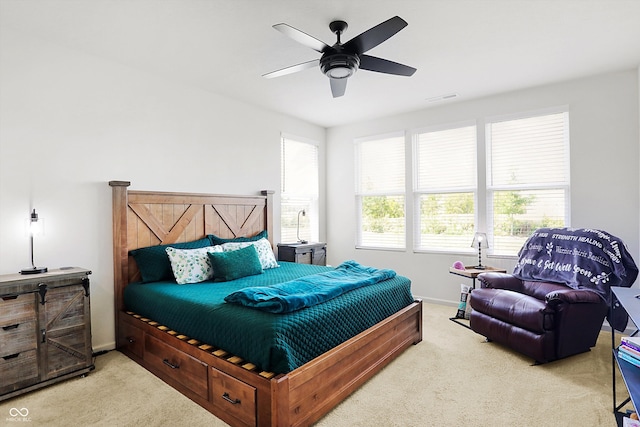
(70, 122)
(605, 186)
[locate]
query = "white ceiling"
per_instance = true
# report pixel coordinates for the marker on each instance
(470, 47)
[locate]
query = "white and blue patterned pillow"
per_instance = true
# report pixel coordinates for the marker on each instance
(191, 265)
(263, 247)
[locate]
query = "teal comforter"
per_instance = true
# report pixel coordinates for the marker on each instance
(309, 290)
(277, 343)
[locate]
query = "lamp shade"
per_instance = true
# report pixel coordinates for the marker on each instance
(480, 240)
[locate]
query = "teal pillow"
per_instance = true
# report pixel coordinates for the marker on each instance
(235, 264)
(215, 240)
(153, 261)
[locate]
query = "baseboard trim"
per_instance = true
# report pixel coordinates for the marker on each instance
(437, 301)
(105, 347)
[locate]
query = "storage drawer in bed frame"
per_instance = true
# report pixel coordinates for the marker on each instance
(133, 342)
(177, 365)
(232, 397)
(241, 395)
(179, 361)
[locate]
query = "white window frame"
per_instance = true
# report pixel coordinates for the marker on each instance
(565, 185)
(360, 193)
(444, 189)
(307, 201)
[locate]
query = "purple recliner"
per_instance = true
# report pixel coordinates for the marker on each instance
(554, 303)
(545, 321)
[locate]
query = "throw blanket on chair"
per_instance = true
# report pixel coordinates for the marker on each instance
(579, 258)
(309, 290)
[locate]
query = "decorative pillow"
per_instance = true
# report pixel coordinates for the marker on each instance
(263, 247)
(215, 240)
(191, 265)
(233, 265)
(153, 261)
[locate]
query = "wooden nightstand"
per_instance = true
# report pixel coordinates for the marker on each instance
(471, 273)
(303, 253)
(45, 329)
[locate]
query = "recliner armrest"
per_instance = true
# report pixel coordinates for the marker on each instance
(500, 281)
(572, 296)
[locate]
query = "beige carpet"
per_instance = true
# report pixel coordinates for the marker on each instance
(452, 378)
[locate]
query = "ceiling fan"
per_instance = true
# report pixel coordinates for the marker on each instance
(341, 61)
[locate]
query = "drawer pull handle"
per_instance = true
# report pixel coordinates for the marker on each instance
(131, 340)
(169, 364)
(11, 356)
(6, 328)
(230, 400)
(9, 297)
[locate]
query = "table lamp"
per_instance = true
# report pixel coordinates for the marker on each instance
(35, 226)
(304, 213)
(480, 241)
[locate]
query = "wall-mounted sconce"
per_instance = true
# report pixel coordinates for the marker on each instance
(35, 226)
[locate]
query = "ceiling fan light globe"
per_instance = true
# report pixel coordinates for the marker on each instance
(339, 66)
(339, 72)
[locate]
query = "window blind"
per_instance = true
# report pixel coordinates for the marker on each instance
(299, 191)
(299, 171)
(528, 178)
(380, 166)
(380, 192)
(445, 188)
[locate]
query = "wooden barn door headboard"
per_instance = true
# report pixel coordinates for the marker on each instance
(148, 218)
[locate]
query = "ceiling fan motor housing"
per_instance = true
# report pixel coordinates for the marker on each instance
(339, 65)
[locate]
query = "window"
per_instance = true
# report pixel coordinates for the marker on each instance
(445, 188)
(527, 178)
(380, 192)
(299, 191)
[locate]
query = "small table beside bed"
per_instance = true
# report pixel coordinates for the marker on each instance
(250, 362)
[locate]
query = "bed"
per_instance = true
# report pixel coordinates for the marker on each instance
(246, 389)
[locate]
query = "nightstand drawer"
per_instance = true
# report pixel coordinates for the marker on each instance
(176, 365)
(233, 397)
(16, 307)
(17, 337)
(303, 258)
(18, 370)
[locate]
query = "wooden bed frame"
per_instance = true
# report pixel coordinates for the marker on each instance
(229, 387)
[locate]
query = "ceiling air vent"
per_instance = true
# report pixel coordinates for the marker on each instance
(442, 97)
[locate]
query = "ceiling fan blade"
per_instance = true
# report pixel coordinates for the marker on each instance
(302, 37)
(338, 87)
(292, 69)
(379, 65)
(376, 35)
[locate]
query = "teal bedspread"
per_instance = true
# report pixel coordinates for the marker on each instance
(277, 343)
(309, 290)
